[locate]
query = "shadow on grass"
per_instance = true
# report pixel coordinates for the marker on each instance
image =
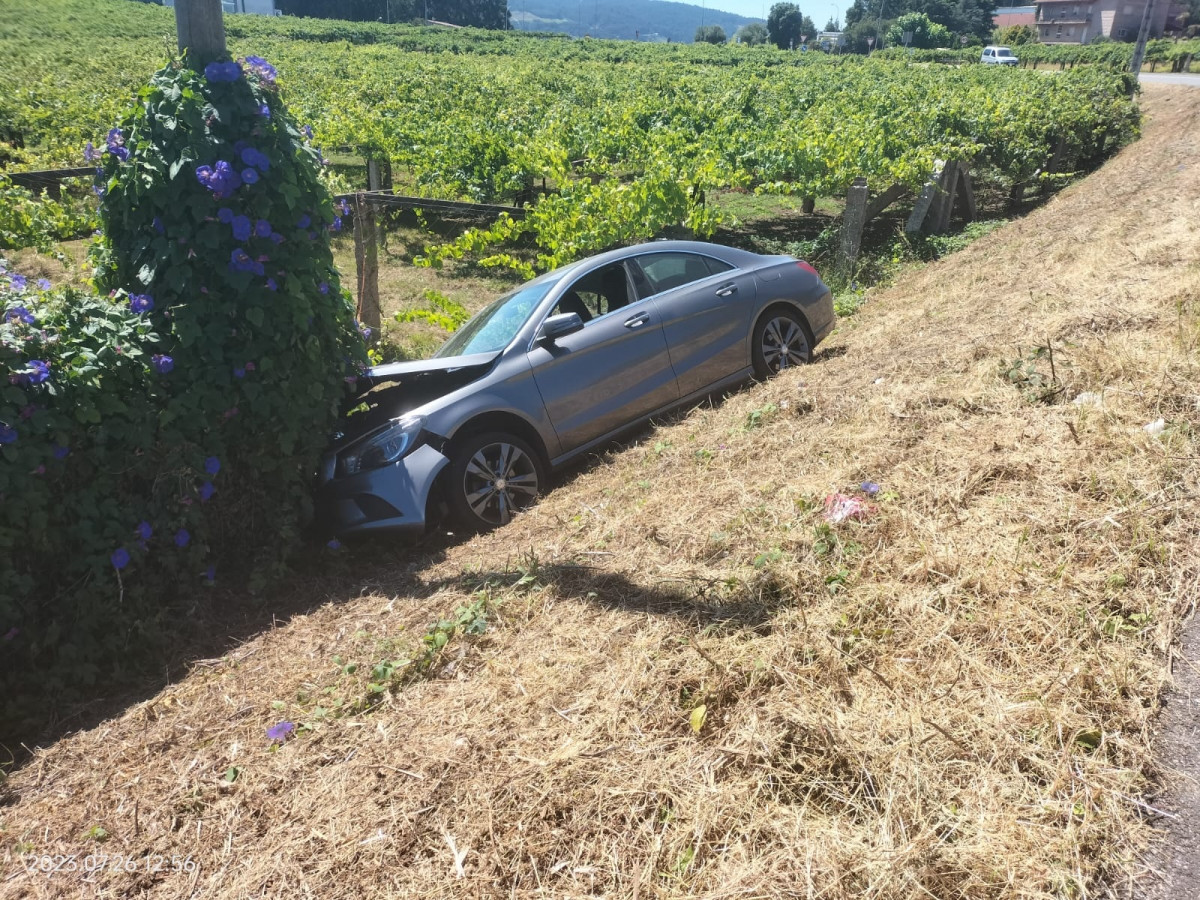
(705, 603)
(208, 625)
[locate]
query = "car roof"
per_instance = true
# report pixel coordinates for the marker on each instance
(732, 255)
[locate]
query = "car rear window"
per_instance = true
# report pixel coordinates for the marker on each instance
(665, 271)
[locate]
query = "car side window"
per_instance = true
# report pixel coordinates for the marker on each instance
(664, 271)
(596, 294)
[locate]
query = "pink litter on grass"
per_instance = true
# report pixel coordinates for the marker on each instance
(839, 508)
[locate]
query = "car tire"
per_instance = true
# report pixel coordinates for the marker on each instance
(491, 476)
(781, 340)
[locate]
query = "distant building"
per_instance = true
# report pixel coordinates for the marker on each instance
(1010, 16)
(258, 7)
(1078, 21)
(831, 41)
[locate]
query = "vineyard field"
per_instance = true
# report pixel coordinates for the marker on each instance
(631, 137)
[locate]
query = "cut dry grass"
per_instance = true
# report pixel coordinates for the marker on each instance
(949, 698)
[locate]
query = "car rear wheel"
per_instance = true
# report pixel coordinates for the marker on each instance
(781, 341)
(492, 476)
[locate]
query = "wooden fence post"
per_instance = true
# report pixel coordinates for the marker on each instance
(201, 30)
(366, 264)
(852, 223)
(374, 175)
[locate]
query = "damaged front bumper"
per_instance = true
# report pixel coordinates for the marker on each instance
(391, 498)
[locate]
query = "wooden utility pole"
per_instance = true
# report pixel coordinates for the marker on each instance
(366, 263)
(1139, 50)
(201, 30)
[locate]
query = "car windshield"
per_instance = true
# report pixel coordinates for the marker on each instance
(1004, 51)
(494, 328)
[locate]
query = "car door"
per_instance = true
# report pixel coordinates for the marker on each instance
(705, 306)
(613, 371)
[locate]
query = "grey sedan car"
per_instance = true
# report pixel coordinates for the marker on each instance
(556, 367)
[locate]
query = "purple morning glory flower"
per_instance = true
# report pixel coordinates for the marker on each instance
(210, 574)
(141, 303)
(249, 176)
(225, 215)
(206, 491)
(43, 284)
(307, 131)
(256, 158)
(342, 206)
(158, 226)
(365, 331)
(120, 558)
(336, 224)
(263, 69)
(239, 372)
(20, 314)
(162, 363)
(212, 465)
(272, 285)
(240, 261)
(61, 452)
(221, 179)
(115, 144)
(264, 110)
(17, 282)
(304, 221)
(323, 287)
(277, 237)
(241, 228)
(144, 530)
(182, 538)
(8, 434)
(226, 71)
(262, 228)
(250, 367)
(870, 488)
(89, 152)
(334, 544)
(281, 731)
(38, 371)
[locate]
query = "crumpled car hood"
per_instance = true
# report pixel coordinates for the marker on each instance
(394, 389)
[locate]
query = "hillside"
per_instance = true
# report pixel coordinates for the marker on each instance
(622, 19)
(674, 677)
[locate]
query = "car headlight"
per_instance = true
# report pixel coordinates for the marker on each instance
(383, 447)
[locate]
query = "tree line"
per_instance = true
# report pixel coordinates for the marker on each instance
(475, 13)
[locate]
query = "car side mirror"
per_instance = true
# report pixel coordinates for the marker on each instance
(559, 326)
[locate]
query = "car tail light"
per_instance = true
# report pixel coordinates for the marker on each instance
(807, 268)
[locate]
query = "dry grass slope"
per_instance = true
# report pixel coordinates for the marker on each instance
(949, 698)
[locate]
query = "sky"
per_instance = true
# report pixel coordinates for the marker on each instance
(818, 10)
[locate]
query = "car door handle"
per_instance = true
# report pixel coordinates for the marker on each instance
(727, 290)
(638, 320)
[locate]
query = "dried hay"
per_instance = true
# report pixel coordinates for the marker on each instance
(948, 698)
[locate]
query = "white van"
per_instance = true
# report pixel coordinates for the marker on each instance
(998, 56)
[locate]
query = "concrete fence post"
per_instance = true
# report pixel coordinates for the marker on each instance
(852, 223)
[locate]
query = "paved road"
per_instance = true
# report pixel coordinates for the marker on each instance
(1168, 78)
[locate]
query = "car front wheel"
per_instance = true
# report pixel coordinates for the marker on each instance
(781, 340)
(492, 476)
